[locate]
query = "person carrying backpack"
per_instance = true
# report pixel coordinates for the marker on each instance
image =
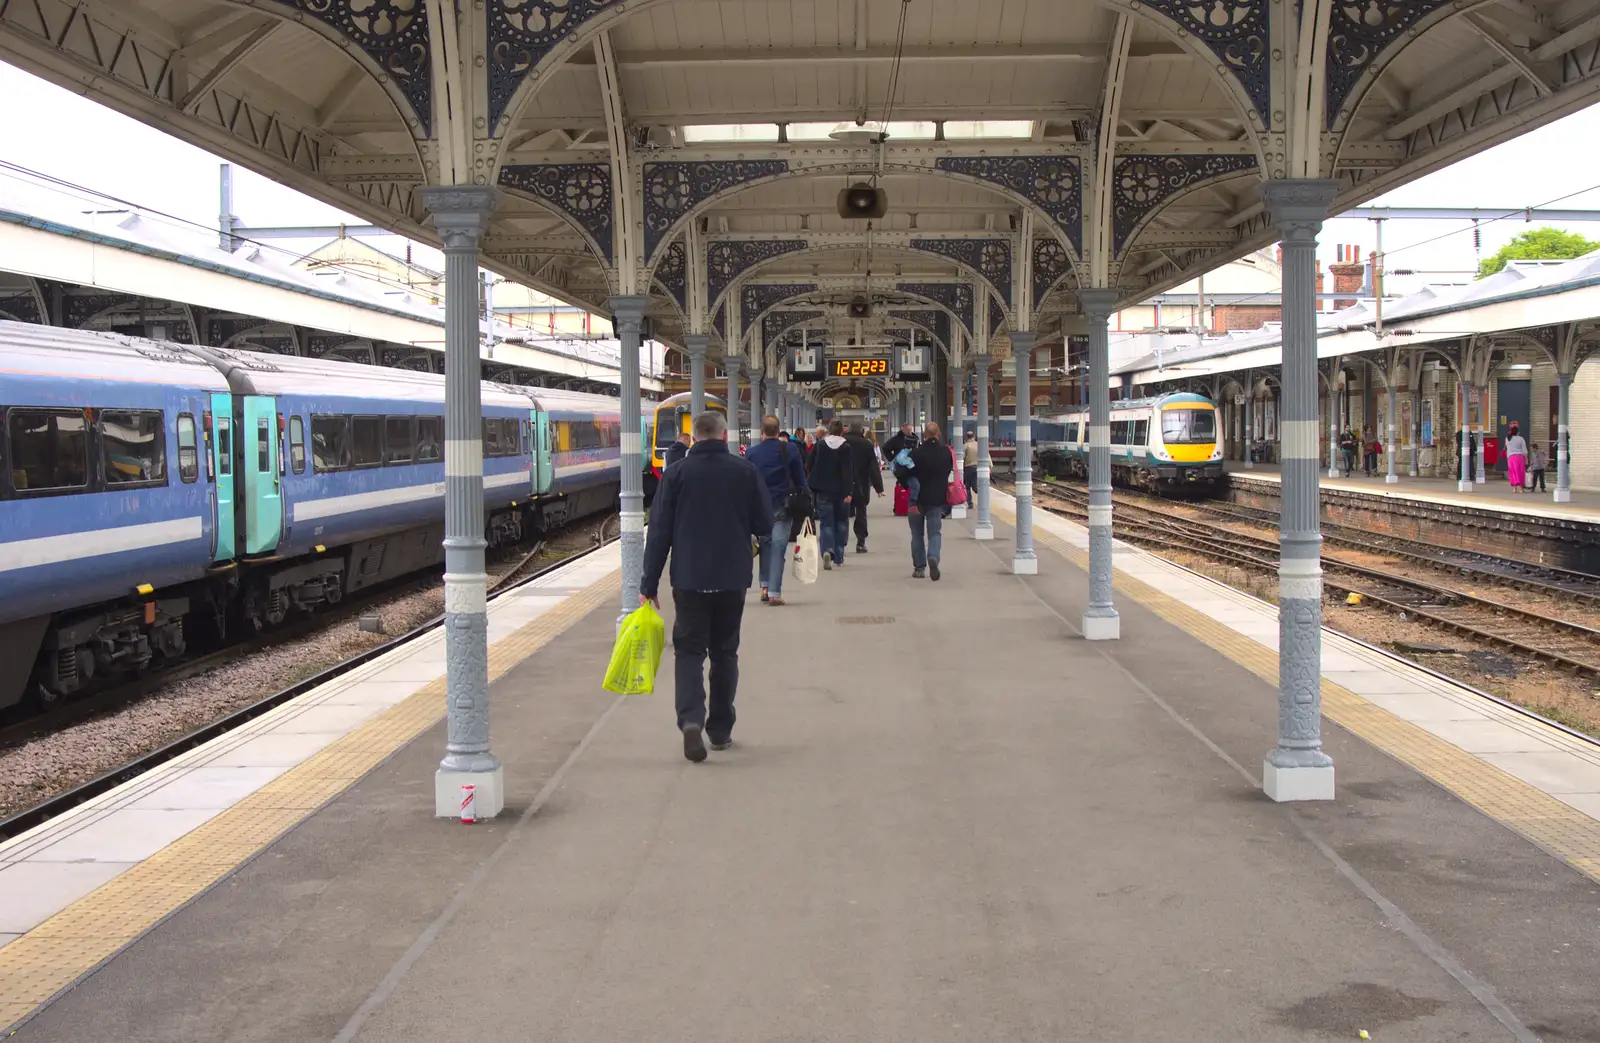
(781, 466)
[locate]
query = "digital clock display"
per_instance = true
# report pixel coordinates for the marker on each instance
(858, 367)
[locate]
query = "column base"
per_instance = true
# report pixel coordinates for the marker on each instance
(1025, 566)
(984, 531)
(959, 512)
(1391, 479)
(1249, 465)
(1102, 628)
(488, 801)
(1563, 496)
(1286, 784)
(1463, 486)
(1482, 481)
(1334, 472)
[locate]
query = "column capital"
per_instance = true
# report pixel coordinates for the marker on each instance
(460, 212)
(1097, 302)
(695, 344)
(981, 361)
(627, 312)
(731, 364)
(1299, 207)
(1022, 338)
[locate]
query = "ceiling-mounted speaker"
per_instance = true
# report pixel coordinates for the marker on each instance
(863, 202)
(860, 308)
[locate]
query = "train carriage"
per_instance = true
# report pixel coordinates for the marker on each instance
(1160, 444)
(672, 418)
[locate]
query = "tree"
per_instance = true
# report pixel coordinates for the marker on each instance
(1538, 244)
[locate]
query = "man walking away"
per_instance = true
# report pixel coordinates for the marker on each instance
(932, 467)
(868, 479)
(969, 465)
(676, 451)
(833, 481)
(705, 512)
(784, 475)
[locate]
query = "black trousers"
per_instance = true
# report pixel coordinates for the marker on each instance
(707, 624)
(858, 508)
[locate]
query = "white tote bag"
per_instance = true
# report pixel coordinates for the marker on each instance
(807, 554)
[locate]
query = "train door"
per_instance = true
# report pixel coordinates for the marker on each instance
(263, 490)
(544, 471)
(219, 462)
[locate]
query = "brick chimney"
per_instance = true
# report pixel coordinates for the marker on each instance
(1349, 274)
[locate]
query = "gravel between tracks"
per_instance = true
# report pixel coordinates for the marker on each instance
(41, 768)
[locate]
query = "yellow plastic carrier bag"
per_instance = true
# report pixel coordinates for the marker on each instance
(637, 653)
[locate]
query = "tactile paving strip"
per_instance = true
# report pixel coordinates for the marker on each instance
(1552, 824)
(84, 935)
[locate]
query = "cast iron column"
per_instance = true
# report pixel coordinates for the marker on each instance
(1249, 418)
(1416, 415)
(696, 343)
(1297, 769)
(757, 405)
(1563, 493)
(731, 364)
(953, 433)
(1464, 441)
(1024, 562)
(1100, 619)
(985, 527)
(461, 214)
(627, 313)
(1333, 420)
(1394, 403)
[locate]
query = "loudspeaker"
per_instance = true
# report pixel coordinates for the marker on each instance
(863, 202)
(860, 308)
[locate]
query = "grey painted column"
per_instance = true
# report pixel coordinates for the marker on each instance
(1394, 404)
(1297, 769)
(1100, 619)
(1249, 416)
(1463, 441)
(1333, 419)
(959, 439)
(985, 527)
(757, 406)
(732, 365)
(461, 214)
(627, 313)
(1416, 416)
(696, 343)
(1563, 493)
(1025, 562)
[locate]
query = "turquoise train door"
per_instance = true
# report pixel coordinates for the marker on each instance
(219, 462)
(544, 468)
(263, 496)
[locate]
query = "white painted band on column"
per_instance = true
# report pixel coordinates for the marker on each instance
(983, 471)
(1561, 429)
(1100, 436)
(463, 458)
(1024, 490)
(1099, 515)
(1300, 588)
(1300, 567)
(1024, 432)
(465, 593)
(632, 521)
(983, 431)
(1301, 440)
(631, 442)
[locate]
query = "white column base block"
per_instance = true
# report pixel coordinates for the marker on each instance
(1463, 486)
(1102, 628)
(983, 532)
(1249, 464)
(959, 512)
(1024, 566)
(1285, 784)
(1483, 481)
(1563, 496)
(488, 801)
(1391, 479)
(1334, 472)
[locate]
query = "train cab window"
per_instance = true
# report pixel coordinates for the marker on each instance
(366, 440)
(1188, 426)
(224, 445)
(330, 443)
(399, 442)
(297, 444)
(188, 451)
(430, 439)
(1141, 432)
(133, 447)
(47, 450)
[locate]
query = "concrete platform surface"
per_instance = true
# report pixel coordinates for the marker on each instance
(1494, 494)
(946, 817)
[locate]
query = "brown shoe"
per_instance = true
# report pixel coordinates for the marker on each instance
(776, 601)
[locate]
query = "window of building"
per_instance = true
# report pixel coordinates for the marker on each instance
(133, 446)
(430, 439)
(297, 444)
(188, 451)
(48, 450)
(398, 439)
(366, 441)
(330, 443)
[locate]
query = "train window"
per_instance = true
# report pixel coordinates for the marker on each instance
(430, 439)
(224, 445)
(48, 450)
(398, 439)
(1119, 432)
(297, 444)
(1188, 426)
(501, 437)
(188, 452)
(366, 440)
(133, 447)
(1141, 432)
(330, 443)
(263, 446)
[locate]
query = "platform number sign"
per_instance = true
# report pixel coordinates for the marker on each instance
(806, 363)
(913, 362)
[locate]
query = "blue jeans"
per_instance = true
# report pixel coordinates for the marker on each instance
(969, 478)
(775, 556)
(929, 521)
(834, 527)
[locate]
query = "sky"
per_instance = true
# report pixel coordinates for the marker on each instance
(69, 137)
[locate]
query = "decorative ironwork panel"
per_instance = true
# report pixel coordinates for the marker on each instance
(720, 324)
(936, 323)
(582, 191)
(726, 261)
(1052, 183)
(394, 34)
(990, 258)
(220, 331)
(1140, 184)
(953, 295)
(1238, 32)
(23, 307)
(762, 296)
(1358, 35)
(520, 33)
(673, 273)
(1051, 263)
(277, 344)
(997, 318)
(777, 323)
(672, 189)
(81, 307)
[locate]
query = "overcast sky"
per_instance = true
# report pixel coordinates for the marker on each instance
(47, 129)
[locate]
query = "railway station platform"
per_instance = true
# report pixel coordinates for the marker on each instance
(1493, 494)
(945, 817)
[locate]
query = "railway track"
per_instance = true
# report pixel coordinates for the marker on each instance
(1524, 631)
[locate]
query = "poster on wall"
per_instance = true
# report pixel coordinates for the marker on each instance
(1427, 423)
(1405, 421)
(1272, 419)
(1472, 407)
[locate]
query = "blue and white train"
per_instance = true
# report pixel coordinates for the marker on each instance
(149, 487)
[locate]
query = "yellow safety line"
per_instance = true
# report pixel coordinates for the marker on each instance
(1552, 824)
(75, 940)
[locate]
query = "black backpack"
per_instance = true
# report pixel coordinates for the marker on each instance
(798, 506)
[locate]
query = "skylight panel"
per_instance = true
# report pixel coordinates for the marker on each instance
(988, 129)
(706, 132)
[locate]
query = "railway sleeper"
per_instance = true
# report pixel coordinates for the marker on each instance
(120, 638)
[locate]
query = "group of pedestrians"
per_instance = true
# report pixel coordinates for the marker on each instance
(713, 506)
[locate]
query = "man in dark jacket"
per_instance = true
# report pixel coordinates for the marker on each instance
(706, 511)
(868, 479)
(676, 451)
(783, 471)
(933, 466)
(905, 439)
(833, 483)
